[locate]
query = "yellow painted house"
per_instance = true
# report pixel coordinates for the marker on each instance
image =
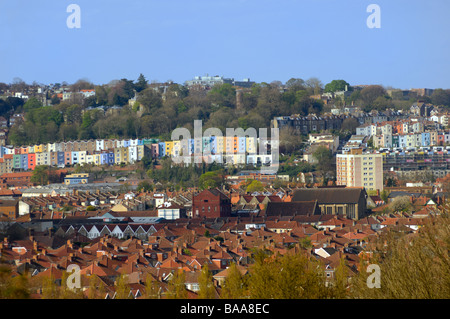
(251, 145)
(120, 155)
(39, 148)
(169, 148)
(220, 144)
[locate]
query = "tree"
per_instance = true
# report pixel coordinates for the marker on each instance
(350, 124)
(4, 107)
(122, 288)
(382, 103)
(340, 282)
(324, 156)
(81, 84)
(13, 288)
(384, 195)
(254, 186)
(32, 103)
(306, 105)
(295, 84)
(234, 286)
(400, 204)
(262, 276)
(145, 186)
(370, 93)
(337, 85)
(211, 179)
(206, 285)
(40, 175)
(96, 288)
(289, 276)
(223, 95)
(314, 86)
(441, 97)
(141, 83)
(49, 288)
(412, 266)
(390, 182)
(152, 288)
(150, 99)
(176, 288)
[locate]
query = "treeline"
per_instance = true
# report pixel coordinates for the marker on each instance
(158, 110)
(156, 113)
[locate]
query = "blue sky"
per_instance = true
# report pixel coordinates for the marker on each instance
(264, 40)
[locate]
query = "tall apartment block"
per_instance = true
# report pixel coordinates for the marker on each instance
(355, 169)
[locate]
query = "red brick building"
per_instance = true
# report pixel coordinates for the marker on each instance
(22, 179)
(211, 203)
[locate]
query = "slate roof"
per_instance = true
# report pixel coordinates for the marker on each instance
(332, 195)
(292, 208)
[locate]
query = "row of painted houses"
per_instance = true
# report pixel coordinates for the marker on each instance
(28, 161)
(393, 127)
(238, 150)
(89, 146)
(412, 140)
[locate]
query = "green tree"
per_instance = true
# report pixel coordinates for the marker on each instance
(412, 266)
(145, 186)
(254, 186)
(324, 156)
(400, 204)
(289, 276)
(152, 288)
(49, 288)
(336, 85)
(340, 283)
(32, 103)
(122, 288)
(211, 179)
(17, 287)
(97, 288)
(150, 99)
(40, 175)
(223, 95)
(441, 97)
(141, 83)
(206, 285)
(295, 84)
(176, 288)
(234, 286)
